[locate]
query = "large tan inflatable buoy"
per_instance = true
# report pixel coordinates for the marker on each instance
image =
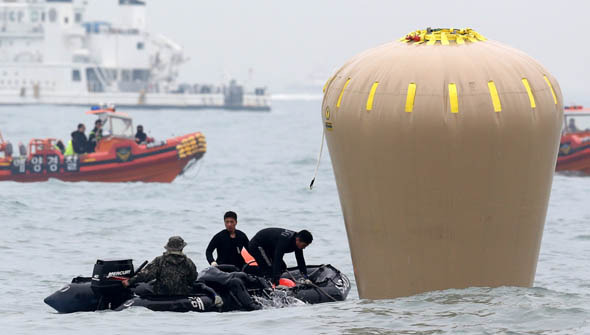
(443, 146)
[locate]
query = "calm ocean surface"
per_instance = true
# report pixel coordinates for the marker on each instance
(259, 165)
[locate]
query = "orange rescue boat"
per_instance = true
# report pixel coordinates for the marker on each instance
(574, 147)
(117, 157)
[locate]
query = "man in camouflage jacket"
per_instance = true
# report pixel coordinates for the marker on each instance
(174, 272)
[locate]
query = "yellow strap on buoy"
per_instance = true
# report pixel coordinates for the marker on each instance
(342, 92)
(410, 97)
(551, 88)
(525, 82)
(495, 97)
(328, 82)
(372, 96)
(453, 98)
(479, 37)
(443, 38)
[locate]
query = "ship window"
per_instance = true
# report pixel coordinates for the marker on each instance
(141, 75)
(140, 45)
(42, 16)
(126, 75)
(78, 17)
(121, 127)
(52, 15)
(76, 75)
(11, 16)
(66, 19)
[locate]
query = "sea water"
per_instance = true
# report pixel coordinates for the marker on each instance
(259, 165)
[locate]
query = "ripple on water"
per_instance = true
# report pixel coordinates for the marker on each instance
(54, 231)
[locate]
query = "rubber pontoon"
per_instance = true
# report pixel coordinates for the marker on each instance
(104, 291)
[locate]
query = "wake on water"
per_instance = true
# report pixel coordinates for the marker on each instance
(277, 299)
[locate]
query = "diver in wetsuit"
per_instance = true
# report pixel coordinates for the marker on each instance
(233, 288)
(269, 246)
(228, 243)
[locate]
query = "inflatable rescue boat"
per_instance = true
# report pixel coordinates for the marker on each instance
(574, 147)
(104, 291)
(117, 157)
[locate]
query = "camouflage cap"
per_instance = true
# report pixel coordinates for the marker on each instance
(175, 243)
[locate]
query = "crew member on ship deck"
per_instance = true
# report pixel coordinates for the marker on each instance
(140, 136)
(571, 127)
(79, 143)
(95, 135)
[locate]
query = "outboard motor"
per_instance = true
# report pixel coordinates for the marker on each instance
(106, 282)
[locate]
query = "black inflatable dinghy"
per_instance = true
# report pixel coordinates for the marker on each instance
(104, 291)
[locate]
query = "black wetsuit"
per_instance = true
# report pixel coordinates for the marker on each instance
(228, 249)
(269, 246)
(232, 287)
(79, 142)
(140, 137)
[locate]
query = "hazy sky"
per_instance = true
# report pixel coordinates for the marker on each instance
(291, 44)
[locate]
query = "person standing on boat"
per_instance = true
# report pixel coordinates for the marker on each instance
(269, 246)
(228, 243)
(140, 136)
(174, 272)
(79, 143)
(95, 136)
(571, 127)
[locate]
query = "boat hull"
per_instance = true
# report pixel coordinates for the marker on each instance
(116, 160)
(330, 285)
(574, 153)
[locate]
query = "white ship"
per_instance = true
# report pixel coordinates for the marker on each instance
(49, 54)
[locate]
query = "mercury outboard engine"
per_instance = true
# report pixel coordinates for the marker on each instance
(106, 282)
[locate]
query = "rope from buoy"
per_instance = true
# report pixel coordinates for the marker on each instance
(317, 167)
